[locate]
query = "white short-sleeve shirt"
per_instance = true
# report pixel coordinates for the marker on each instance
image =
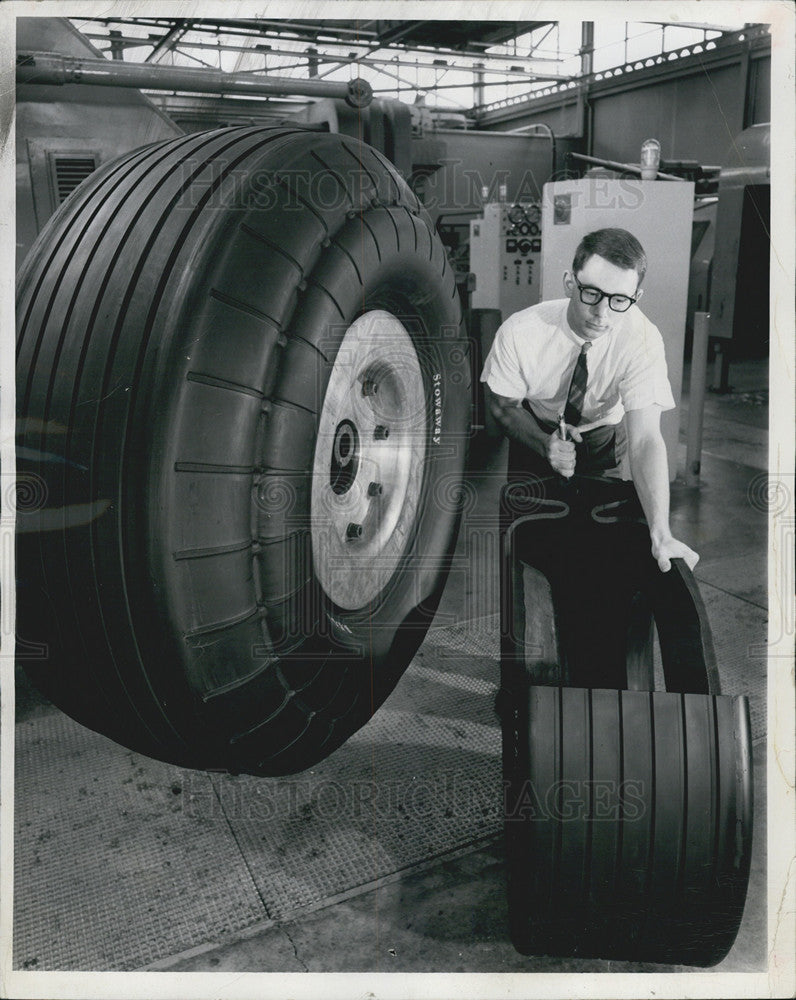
(535, 351)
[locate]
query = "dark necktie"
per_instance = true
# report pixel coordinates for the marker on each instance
(577, 388)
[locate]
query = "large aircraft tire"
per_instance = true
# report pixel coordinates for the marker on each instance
(243, 399)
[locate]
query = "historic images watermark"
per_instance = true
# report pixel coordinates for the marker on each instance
(451, 795)
(458, 187)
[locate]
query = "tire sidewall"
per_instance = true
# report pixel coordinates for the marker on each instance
(408, 277)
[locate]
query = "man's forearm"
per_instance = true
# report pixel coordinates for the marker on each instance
(519, 425)
(650, 470)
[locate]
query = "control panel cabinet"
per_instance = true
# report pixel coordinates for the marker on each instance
(505, 257)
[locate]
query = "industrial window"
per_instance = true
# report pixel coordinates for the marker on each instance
(68, 172)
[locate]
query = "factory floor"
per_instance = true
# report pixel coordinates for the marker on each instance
(387, 857)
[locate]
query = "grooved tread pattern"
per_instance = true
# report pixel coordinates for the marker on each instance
(613, 841)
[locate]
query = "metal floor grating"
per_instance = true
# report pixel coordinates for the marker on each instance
(405, 789)
(106, 856)
(122, 861)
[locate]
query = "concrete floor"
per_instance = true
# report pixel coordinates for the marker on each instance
(441, 909)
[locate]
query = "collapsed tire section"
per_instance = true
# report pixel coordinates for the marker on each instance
(628, 833)
(242, 378)
(628, 813)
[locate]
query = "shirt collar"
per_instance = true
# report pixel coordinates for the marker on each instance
(567, 330)
(570, 334)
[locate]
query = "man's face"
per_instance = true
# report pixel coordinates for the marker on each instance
(591, 322)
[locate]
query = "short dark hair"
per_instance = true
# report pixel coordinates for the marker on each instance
(617, 246)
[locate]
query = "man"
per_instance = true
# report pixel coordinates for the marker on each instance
(561, 376)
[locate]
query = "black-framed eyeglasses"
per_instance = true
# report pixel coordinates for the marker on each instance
(590, 296)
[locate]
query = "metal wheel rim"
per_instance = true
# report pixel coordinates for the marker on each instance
(366, 482)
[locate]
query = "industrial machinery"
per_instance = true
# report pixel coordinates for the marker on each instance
(506, 257)
(76, 110)
(739, 287)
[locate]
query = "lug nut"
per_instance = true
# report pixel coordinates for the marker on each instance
(381, 432)
(374, 489)
(369, 387)
(353, 531)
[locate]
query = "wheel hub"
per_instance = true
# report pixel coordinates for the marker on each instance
(345, 458)
(368, 464)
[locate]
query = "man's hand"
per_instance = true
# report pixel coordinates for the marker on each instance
(668, 548)
(648, 466)
(561, 454)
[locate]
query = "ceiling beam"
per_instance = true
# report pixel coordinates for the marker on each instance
(169, 40)
(373, 48)
(300, 54)
(693, 24)
(266, 29)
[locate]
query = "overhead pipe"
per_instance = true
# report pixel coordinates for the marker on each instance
(52, 69)
(550, 135)
(630, 168)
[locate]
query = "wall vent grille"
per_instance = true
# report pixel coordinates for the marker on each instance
(71, 171)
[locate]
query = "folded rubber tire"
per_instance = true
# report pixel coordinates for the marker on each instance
(215, 579)
(628, 824)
